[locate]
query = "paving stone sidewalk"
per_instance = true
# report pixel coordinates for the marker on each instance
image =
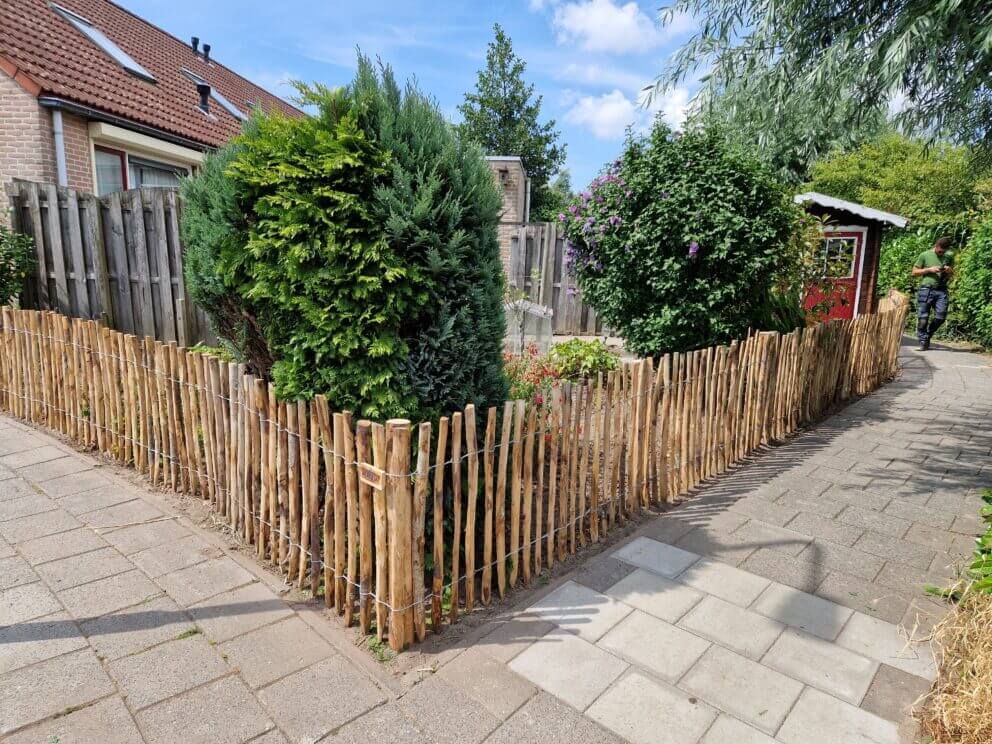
(767, 608)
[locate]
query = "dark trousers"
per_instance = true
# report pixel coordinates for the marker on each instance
(927, 299)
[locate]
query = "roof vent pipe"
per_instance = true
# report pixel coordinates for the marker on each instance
(204, 90)
(206, 52)
(195, 43)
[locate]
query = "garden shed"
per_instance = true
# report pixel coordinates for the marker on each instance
(851, 248)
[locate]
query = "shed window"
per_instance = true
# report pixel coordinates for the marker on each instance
(97, 36)
(838, 257)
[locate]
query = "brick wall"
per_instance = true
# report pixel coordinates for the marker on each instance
(512, 180)
(77, 152)
(26, 147)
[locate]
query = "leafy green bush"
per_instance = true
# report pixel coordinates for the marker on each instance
(440, 206)
(17, 261)
(578, 359)
(680, 242)
(353, 252)
(972, 292)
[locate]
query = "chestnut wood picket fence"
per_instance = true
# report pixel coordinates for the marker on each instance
(402, 528)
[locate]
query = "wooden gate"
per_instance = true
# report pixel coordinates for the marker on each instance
(537, 267)
(115, 258)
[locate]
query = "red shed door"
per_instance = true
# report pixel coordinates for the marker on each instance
(837, 296)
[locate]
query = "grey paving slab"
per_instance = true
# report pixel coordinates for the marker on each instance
(893, 693)
(12, 487)
(69, 572)
(544, 719)
(198, 582)
(25, 506)
(132, 512)
(508, 638)
(656, 556)
(727, 730)
(638, 709)
(174, 556)
(664, 598)
(38, 525)
(603, 573)
(50, 469)
(61, 545)
(27, 601)
(941, 541)
(762, 535)
(221, 712)
(817, 525)
(797, 572)
(489, 683)
(728, 547)
(568, 667)
(817, 504)
(765, 510)
(446, 714)
(804, 611)
(740, 630)
(290, 701)
(822, 664)
(107, 721)
(894, 548)
(818, 718)
(654, 645)
(32, 456)
(108, 595)
(136, 628)
(76, 483)
(851, 561)
(914, 513)
(273, 651)
(887, 643)
(385, 720)
(143, 536)
(238, 611)
(720, 580)
(30, 694)
(94, 500)
(863, 596)
(580, 610)
(15, 571)
(868, 519)
(166, 670)
(757, 694)
(29, 642)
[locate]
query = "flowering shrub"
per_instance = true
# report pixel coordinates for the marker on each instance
(534, 376)
(16, 262)
(578, 359)
(679, 243)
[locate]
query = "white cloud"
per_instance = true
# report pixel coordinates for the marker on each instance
(607, 116)
(603, 75)
(536, 6)
(606, 26)
(279, 84)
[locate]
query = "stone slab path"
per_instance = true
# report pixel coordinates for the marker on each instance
(772, 606)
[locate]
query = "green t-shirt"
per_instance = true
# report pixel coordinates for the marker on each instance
(930, 258)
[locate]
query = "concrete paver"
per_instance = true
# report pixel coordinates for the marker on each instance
(818, 718)
(579, 609)
(655, 595)
(740, 630)
(822, 664)
(803, 611)
(723, 581)
(659, 647)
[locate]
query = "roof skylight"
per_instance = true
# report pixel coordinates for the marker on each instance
(101, 40)
(228, 106)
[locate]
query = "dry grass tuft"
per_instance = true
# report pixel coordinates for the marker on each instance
(958, 709)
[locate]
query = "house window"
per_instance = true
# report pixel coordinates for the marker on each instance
(226, 104)
(95, 35)
(838, 257)
(111, 170)
(144, 173)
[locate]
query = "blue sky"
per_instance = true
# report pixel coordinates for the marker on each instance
(588, 58)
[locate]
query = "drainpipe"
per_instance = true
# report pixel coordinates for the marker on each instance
(527, 202)
(60, 167)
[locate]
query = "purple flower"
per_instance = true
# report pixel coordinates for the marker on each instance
(693, 249)
(665, 195)
(571, 292)
(561, 217)
(573, 209)
(628, 193)
(614, 220)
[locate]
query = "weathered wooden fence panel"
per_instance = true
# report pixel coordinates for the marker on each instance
(117, 259)
(538, 268)
(350, 509)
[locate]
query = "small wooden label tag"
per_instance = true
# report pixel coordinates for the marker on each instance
(371, 475)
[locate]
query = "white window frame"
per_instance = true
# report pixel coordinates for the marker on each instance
(104, 42)
(863, 231)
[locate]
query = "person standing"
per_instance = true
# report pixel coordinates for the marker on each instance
(936, 266)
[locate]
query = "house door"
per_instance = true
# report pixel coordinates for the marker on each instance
(837, 296)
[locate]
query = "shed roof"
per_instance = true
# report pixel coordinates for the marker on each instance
(832, 202)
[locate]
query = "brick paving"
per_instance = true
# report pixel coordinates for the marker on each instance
(772, 606)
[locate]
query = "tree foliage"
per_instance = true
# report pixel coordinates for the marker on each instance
(503, 114)
(681, 242)
(357, 247)
(17, 261)
(973, 287)
(926, 184)
(832, 65)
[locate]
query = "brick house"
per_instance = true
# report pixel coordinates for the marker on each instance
(95, 98)
(508, 170)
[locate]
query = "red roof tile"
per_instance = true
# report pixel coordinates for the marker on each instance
(46, 48)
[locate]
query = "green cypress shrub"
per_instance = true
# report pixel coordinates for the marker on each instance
(440, 207)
